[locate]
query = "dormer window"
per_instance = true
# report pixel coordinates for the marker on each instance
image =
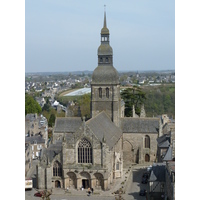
(101, 59)
(106, 59)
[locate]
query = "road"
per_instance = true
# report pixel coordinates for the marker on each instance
(134, 185)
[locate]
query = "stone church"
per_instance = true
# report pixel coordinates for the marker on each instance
(92, 153)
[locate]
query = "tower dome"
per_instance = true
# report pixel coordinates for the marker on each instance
(105, 74)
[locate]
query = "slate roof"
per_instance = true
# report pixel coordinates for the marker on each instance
(67, 124)
(163, 141)
(52, 150)
(30, 117)
(139, 125)
(102, 126)
(164, 144)
(37, 138)
(168, 155)
(157, 173)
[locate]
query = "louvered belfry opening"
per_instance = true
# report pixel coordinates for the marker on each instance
(84, 151)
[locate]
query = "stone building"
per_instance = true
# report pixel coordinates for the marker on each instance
(170, 180)
(37, 143)
(92, 153)
(28, 157)
(36, 125)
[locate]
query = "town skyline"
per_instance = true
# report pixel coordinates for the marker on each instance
(64, 36)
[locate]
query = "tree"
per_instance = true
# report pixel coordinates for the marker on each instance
(133, 96)
(31, 105)
(52, 119)
(84, 103)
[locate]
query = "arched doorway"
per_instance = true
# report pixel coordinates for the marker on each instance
(128, 153)
(71, 180)
(85, 180)
(57, 184)
(99, 182)
(147, 158)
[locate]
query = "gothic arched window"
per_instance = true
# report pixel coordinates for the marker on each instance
(147, 141)
(84, 151)
(107, 92)
(57, 169)
(100, 92)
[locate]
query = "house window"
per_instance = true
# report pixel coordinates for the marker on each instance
(107, 59)
(57, 169)
(107, 92)
(84, 151)
(147, 141)
(100, 92)
(101, 59)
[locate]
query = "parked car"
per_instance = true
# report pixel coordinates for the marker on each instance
(144, 180)
(37, 194)
(142, 192)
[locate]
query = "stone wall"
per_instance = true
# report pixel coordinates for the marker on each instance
(133, 146)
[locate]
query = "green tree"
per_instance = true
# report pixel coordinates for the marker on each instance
(133, 96)
(84, 103)
(31, 105)
(52, 119)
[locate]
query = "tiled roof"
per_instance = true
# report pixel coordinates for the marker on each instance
(37, 138)
(139, 125)
(163, 141)
(102, 126)
(158, 173)
(164, 144)
(168, 155)
(52, 150)
(67, 124)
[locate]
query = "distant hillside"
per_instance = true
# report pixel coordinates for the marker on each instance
(160, 100)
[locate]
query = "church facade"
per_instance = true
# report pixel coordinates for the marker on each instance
(93, 153)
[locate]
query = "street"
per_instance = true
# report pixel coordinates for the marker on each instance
(134, 185)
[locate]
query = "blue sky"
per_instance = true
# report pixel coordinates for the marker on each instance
(64, 35)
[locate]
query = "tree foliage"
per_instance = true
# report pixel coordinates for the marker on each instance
(31, 105)
(84, 104)
(160, 100)
(51, 120)
(133, 96)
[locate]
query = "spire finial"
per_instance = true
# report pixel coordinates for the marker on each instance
(104, 25)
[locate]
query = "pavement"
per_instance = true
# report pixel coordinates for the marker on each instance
(127, 183)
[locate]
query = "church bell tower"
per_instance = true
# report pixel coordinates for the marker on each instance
(105, 87)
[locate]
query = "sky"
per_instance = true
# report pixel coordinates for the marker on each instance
(64, 35)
